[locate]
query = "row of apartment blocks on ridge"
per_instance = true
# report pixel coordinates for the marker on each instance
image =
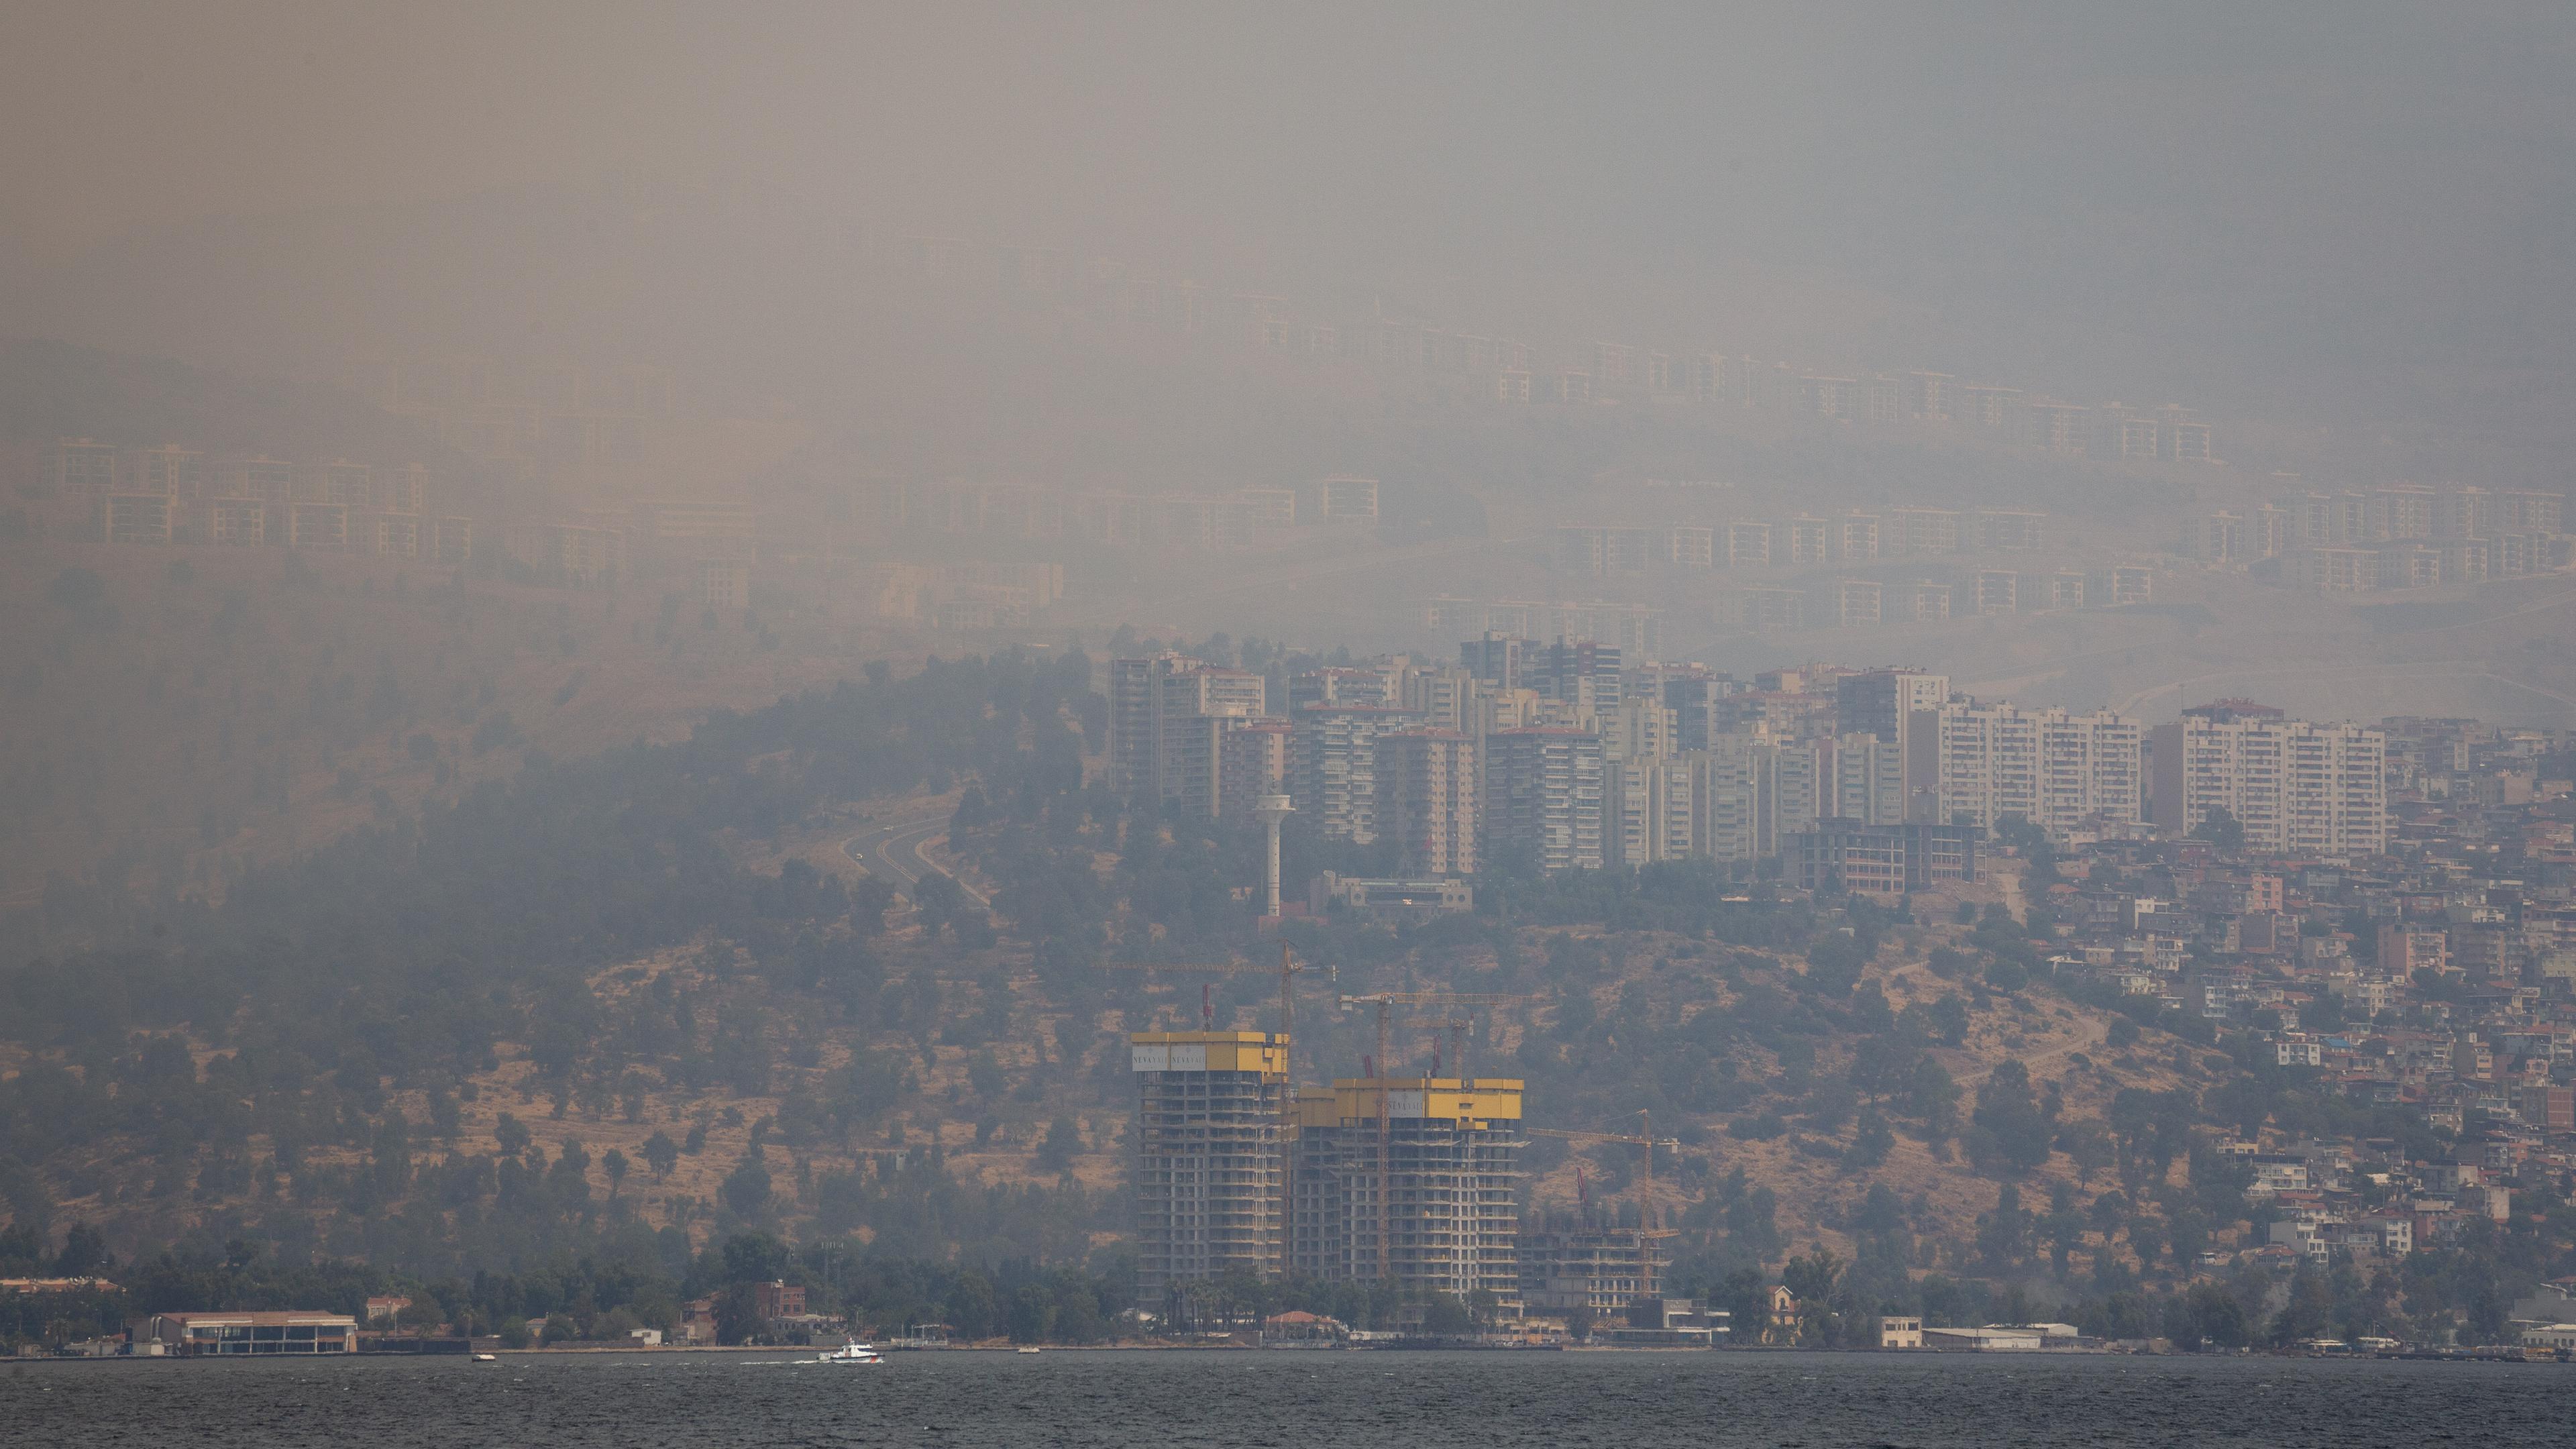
(1559, 753)
(1802, 540)
(1118, 518)
(1830, 603)
(175, 495)
(2402, 536)
(1510, 370)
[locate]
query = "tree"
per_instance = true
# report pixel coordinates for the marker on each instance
(1063, 1140)
(2019, 1132)
(422, 1313)
(746, 1188)
(84, 1253)
(511, 1133)
(1746, 1296)
(737, 1315)
(614, 1164)
(661, 1154)
(1032, 1316)
(2220, 828)
(1445, 1317)
(1813, 1276)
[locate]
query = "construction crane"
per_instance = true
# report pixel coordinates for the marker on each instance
(1457, 1027)
(1385, 1001)
(1645, 1140)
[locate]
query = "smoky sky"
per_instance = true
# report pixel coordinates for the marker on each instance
(2307, 201)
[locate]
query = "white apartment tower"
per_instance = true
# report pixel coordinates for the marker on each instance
(1976, 764)
(1332, 765)
(2297, 787)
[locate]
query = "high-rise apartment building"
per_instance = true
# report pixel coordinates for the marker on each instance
(1856, 536)
(2059, 427)
(1443, 694)
(82, 466)
(1976, 764)
(1426, 800)
(1543, 796)
(1497, 659)
(1644, 728)
(1864, 780)
(169, 469)
(1647, 810)
(1579, 672)
(1912, 532)
(1879, 701)
(2296, 787)
(1986, 407)
(1852, 603)
(1751, 790)
(1346, 499)
(1412, 1180)
(1210, 1157)
(1747, 543)
(1693, 698)
(1252, 761)
(2009, 530)
(1166, 715)
(1332, 766)
(1802, 541)
(1691, 546)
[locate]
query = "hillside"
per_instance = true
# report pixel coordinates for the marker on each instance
(391, 1047)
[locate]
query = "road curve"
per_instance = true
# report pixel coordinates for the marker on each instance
(898, 853)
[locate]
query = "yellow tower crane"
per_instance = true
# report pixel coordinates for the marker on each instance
(1384, 1001)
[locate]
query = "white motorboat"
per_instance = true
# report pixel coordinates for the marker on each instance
(852, 1353)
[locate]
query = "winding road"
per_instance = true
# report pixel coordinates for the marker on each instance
(899, 852)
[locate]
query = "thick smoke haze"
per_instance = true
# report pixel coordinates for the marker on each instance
(706, 674)
(2334, 211)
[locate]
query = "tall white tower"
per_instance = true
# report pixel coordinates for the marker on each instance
(1272, 809)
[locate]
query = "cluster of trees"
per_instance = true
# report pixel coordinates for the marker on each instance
(619, 1282)
(398, 961)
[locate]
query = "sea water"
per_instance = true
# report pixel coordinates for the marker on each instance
(1242, 1400)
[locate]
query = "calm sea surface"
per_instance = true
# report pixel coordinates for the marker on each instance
(1237, 1400)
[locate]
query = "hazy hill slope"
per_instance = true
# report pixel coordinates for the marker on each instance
(643, 943)
(52, 390)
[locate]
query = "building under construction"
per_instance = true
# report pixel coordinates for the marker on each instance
(1409, 1179)
(1211, 1109)
(1566, 1263)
